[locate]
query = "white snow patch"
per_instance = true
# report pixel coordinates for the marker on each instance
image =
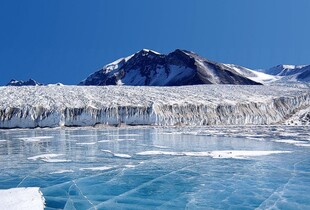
(44, 156)
(287, 141)
(121, 155)
(124, 139)
(62, 171)
(86, 143)
(115, 140)
(124, 135)
(161, 147)
(116, 154)
(148, 50)
(83, 135)
(35, 139)
(101, 168)
(22, 198)
(50, 158)
(154, 152)
(103, 141)
(129, 166)
(303, 145)
(237, 154)
(55, 160)
(107, 151)
(253, 75)
(240, 154)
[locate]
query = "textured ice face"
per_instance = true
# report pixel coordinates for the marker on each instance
(29, 107)
(165, 168)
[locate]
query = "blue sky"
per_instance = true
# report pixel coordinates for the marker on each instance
(66, 40)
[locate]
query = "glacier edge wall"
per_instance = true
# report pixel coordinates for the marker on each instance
(208, 105)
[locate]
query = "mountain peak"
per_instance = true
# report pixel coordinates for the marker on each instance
(150, 68)
(148, 51)
(184, 52)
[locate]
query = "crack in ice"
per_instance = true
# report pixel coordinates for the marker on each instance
(140, 186)
(279, 191)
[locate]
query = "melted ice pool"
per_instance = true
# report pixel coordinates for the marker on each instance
(161, 168)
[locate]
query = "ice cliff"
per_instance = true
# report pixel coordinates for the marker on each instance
(53, 106)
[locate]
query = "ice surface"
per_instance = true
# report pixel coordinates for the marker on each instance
(215, 167)
(44, 106)
(21, 198)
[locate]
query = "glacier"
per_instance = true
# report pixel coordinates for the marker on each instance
(54, 106)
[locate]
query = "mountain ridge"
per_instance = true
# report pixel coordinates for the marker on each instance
(30, 82)
(183, 67)
(290, 73)
(180, 67)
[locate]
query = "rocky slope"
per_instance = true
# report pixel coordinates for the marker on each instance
(181, 67)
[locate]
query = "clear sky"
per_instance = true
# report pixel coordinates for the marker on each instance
(66, 40)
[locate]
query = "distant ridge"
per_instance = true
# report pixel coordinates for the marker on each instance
(291, 73)
(29, 82)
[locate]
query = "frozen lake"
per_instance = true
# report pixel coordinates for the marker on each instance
(161, 168)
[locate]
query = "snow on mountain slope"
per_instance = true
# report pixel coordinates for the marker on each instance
(256, 76)
(291, 73)
(181, 67)
(53, 106)
(284, 70)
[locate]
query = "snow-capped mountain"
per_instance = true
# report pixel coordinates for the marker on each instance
(180, 67)
(30, 82)
(291, 72)
(284, 70)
